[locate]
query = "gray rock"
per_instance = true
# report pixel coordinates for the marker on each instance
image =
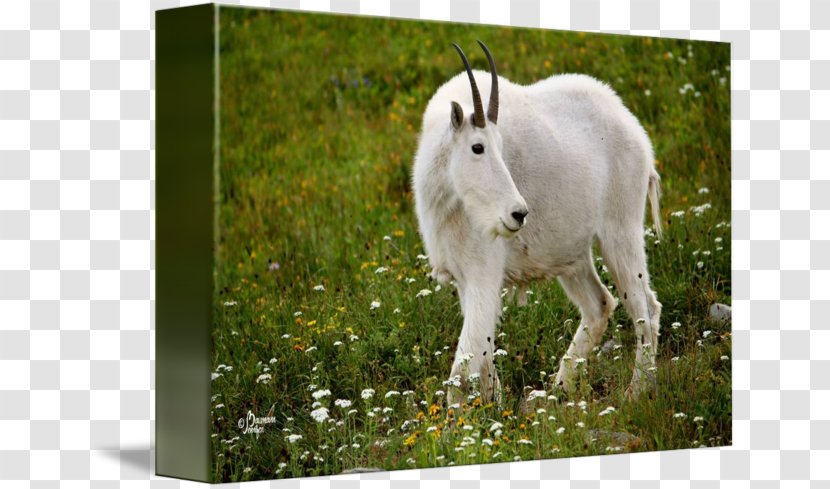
(361, 470)
(720, 312)
(608, 347)
(613, 438)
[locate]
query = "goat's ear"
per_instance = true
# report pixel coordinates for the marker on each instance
(456, 115)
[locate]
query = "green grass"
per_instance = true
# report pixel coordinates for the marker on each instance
(319, 123)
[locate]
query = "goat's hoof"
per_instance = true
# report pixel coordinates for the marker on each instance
(565, 379)
(457, 395)
(496, 392)
(645, 384)
(532, 400)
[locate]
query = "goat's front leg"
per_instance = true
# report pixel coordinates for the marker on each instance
(474, 369)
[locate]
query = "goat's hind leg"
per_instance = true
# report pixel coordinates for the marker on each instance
(596, 304)
(626, 259)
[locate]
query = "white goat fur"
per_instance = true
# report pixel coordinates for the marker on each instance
(584, 166)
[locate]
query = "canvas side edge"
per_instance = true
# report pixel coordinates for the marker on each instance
(185, 180)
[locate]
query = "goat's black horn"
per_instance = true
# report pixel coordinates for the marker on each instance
(493, 107)
(478, 114)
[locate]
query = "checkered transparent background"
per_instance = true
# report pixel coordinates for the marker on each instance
(77, 241)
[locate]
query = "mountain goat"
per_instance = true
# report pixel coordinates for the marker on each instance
(519, 195)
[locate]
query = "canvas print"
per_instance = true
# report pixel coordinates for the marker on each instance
(441, 244)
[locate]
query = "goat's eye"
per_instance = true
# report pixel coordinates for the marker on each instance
(478, 149)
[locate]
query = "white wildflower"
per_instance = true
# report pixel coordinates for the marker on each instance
(343, 403)
(263, 379)
(536, 394)
(423, 293)
(319, 288)
(320, 414)
(700, 209)
(321, 394)
(367, 393)
(374, 305)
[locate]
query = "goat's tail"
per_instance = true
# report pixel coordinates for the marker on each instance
(654, 199)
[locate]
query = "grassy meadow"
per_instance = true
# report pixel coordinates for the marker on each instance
(324, 312)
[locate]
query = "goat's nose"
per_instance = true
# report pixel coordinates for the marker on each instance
(519, 216)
